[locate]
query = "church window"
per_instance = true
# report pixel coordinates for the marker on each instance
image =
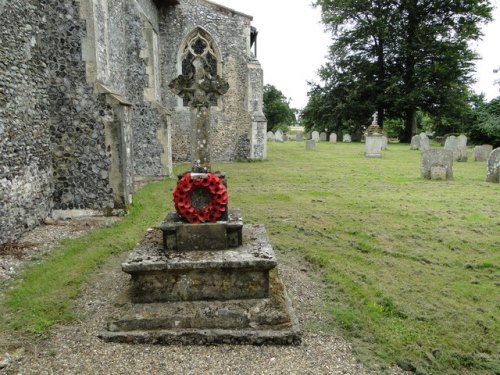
(199, 45)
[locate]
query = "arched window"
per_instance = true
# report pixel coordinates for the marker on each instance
(199, 43)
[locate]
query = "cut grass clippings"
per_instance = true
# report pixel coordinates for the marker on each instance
(411, 268)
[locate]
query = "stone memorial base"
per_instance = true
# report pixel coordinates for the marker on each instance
(204, 296)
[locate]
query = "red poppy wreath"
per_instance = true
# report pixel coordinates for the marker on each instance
(208, 185)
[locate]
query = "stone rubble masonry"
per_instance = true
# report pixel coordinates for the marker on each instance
(84, 106)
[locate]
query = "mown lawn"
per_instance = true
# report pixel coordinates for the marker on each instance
(411, 268)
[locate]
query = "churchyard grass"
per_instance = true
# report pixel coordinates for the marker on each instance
(43, 294)
(410, 268)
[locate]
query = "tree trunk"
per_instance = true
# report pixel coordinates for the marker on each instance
(410, 125)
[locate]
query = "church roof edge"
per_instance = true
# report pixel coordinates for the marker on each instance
(229, 9)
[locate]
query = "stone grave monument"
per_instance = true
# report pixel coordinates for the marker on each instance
(279, 136)
(482, 152)
(436, 164)
(202, 276)
(424, 142)
(270, 136)
(299, 137)
(322, 137)
(333, 138)
(315, 136)
(415, 142)
(493, 166)
(346, 138)
(310, 144)
(373, 139)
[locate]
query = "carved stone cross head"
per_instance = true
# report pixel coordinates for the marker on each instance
(198, 85)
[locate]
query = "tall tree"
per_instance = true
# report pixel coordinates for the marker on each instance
(277, 108)
(405, 55)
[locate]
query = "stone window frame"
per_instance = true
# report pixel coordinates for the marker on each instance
(212, 46)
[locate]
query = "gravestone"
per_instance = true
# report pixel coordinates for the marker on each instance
(373, 139)
(270, 136)
(346, 138)
(315, 136)
(436, 164)
(462, 148)
(424, 142)
(385, 142)
(299, 137)
(202, 277)
(482, 152)
(279, 136)
(310, 144)
(322, 137)
(458, 145)
(333, 138)
(493, 166)
(415, 142)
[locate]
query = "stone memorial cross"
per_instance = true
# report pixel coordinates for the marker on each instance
(199, 87)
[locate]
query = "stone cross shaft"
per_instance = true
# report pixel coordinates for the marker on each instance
(199, 87)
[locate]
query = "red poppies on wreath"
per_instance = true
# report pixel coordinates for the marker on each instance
(218, 198)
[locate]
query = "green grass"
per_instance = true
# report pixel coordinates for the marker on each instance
(43, 294)
(410, 268)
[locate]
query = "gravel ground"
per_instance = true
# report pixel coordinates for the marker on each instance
(75, 349)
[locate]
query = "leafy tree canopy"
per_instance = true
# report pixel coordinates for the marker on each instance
(277, 109)
(397, 57)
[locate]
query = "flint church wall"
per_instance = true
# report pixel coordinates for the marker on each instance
(230, 134)
(79, 107)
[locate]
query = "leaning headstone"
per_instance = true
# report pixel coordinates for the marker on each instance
(315, 136)
(333, 138)
(346, 138)
(424, 142)
(462, 148)
(278, 136)
(415, 142)
(311, 144)
(299, 137)
(493, 166)
(270, 136)
(322, 137)
(482, 152)
(436, 164)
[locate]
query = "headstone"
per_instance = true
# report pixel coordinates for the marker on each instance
(385, 142)
(310, 144)
(493, 166)
(270, 136)
(462, 148)
(278, 136)
(436, 163)
(346, 138)
(482, 152)
(333, 138)
(299, 137)
(373, 145)
(424, 142)
(322, 137)
(457, 145)
(307, 136)
(315, 136)
(415, 142)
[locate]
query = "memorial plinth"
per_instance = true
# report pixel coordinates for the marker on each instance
(204, 296)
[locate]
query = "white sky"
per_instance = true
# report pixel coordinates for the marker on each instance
(292, 46)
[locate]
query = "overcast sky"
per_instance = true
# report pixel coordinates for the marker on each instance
(292, 46)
